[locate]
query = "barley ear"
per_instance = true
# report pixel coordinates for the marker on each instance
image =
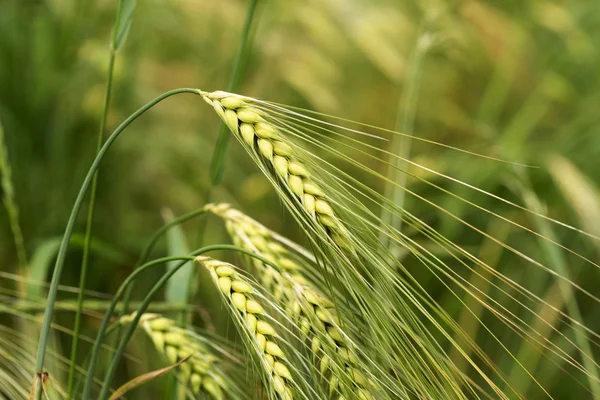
(199, 373)
(251, 316)
(313, 311)
(278, 156)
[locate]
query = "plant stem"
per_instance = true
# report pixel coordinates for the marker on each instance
(11, 206)
(60, 260)
(217, 165)
(400, 147)
(148, 249)
(217, 162)
(89, 305)
(88, 228)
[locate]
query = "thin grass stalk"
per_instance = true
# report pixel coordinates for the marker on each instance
(104, 328)
(11, 205)
(86, 362)
(62, 252)
(217, 164)
(401, 144)
(146, 253)
(141, 309)
(218, 159)
(558, 263)
(91, 208)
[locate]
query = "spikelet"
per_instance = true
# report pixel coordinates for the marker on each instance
(239, 295)
(175, 343)
(305, 304)
(249, 234)
(279, 158)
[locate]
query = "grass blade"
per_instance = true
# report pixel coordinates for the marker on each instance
(140, 380)
(179, 289)
(123, 23)
(11, 205)
(40, 265)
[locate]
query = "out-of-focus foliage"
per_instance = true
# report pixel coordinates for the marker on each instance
(516, 80)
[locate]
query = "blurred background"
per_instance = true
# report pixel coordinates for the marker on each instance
(516, 80)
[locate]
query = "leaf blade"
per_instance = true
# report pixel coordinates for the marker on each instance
(144, 378)
(178, 287)
(123, 23)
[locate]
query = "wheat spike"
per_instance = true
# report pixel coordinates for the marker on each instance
(314, 312)
(199, 372)
(279, 157)
(239, 295)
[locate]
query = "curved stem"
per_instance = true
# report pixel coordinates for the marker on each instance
(86, 362)
(102, 331)
(146, 252)
(60, 260)
(160, 232)
(143, 306)
(90, 222)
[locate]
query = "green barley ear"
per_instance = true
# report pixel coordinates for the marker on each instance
(277, 157)
(200, 373)
(313, 312)
(249, 314)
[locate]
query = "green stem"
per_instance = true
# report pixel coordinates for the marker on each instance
(148, 249)
(86, 362)
(88, 228)
(401, 144)
(11, 205)
(60, 260)
(217, 165)
(113, 304)
(89, 305)
(217, 162)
